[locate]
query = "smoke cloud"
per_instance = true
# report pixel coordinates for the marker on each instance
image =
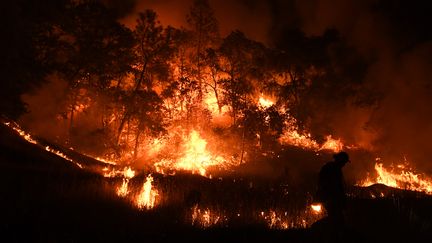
(251, 17)
(393, 37)
(44, 106)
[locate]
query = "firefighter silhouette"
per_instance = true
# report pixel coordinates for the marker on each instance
(331, 189)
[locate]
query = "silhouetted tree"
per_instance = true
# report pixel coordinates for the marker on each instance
(152, 51)
(238, 63)
(20, 68)
(205, 31)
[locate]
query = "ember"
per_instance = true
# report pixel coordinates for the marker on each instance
(206, 218)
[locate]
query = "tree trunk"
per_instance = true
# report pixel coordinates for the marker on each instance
(136, 144)
(122, 123)
(243, 145)
(71, 121)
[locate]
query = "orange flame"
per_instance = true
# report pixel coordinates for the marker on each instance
(264, 102)
(147, 198)
(196, 158)
(316, 208)
(60, 154)
(127, 173)
(293, 137)
(332, 144)
(276, 219)
(30, 139)
(123, 190)
(21, 132)
(205, 218)
(402, 178)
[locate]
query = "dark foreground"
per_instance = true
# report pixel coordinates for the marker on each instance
(47, 199)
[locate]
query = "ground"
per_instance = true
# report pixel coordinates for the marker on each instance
(47, 199)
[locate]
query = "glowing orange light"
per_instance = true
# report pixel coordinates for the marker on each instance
(147, 197)
(264, 103)
(195, 157)
(400, 177)
(317, 208)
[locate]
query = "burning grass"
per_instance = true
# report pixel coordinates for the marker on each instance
(136, 199)
(400, 176)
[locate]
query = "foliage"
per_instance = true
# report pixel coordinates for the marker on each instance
(140, 81)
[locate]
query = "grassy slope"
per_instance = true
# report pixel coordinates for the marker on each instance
(47, 199)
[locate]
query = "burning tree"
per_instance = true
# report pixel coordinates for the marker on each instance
(140, 90)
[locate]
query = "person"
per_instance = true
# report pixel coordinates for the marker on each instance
(331, 189)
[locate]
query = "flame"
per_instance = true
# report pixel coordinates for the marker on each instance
(292, 136)
(211, 103)
(401, 177)
(103, 160)
(276, 221)
(264, 103)
(156, 146)
(60, 154)
(219, 115)
(332, 144)
(283, 220)
(30, 139)
(147, 198)
(316, 208)
(196, 158)
(205, 218)
(123, 190)
(127, 172)
(21, 132)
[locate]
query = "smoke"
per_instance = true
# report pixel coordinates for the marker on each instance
(403, 118)
(251, 17)
(392, 36)
(48, 117)
(43, 108)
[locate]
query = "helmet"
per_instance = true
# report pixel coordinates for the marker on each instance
(341, 157)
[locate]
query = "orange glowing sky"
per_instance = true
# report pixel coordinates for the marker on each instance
(252, 19)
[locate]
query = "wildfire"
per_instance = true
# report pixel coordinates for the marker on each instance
(264, 103)
(147, 197)
(400, 177)
(30, 139)
(292, 136)
(60, 154)
(196, 158)
(211, 103)
(276, 221)
(332, 144)
(316, 208)
(127, 173)
(205, 218)
(123, 190)
(105, 161)
(284, 220)
(21, 132)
